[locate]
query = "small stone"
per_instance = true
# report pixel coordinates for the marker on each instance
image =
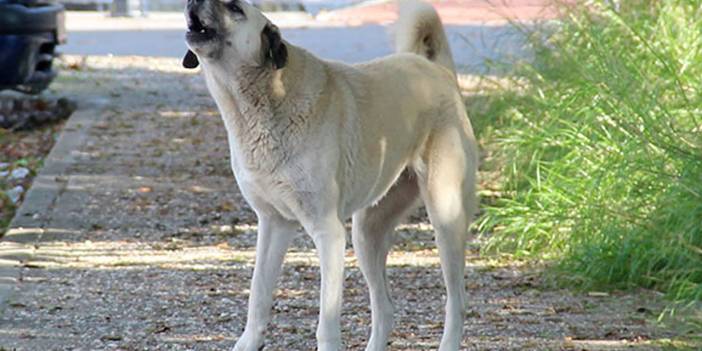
(15, 193)
(111, 338)
(4, 165)
(226, 229)
(19, 173)
(4, 174)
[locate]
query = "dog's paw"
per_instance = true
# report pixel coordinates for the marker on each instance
(329, 345)
(248, 343)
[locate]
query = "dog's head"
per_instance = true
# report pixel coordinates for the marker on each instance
(231, 30)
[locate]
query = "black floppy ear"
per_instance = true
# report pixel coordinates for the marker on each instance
(273, 46)
(190, 60)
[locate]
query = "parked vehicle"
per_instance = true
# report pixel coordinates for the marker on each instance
(30, 30)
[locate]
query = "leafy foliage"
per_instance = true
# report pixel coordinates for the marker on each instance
(600, 148)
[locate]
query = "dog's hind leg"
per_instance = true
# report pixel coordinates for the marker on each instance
(447, 189)
(372, 235)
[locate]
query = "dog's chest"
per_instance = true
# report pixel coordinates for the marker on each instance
(280, 190)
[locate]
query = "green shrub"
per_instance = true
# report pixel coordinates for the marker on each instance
(600, 149)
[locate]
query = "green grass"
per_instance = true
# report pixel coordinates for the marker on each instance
(598, 143)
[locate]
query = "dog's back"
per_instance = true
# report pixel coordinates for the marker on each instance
(419, 30)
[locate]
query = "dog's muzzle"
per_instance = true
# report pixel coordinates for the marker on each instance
(198, 32)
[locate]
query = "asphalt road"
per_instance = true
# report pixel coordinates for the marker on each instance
(472, 45)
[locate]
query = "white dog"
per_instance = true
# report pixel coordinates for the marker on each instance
(315, 142)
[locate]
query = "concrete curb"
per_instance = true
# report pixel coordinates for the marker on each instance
(28, 227)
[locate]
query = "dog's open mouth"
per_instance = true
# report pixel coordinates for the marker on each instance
(197, 31)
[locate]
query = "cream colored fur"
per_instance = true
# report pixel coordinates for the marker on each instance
(317, 142)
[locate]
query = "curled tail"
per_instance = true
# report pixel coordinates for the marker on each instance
(419, 30)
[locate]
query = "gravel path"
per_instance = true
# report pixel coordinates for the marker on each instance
(149, 246)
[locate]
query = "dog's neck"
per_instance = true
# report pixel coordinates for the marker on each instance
(261, 110)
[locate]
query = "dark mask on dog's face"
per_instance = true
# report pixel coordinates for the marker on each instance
(233, 32)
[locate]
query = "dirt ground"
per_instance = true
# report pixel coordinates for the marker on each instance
(22, 149)
(151, 248)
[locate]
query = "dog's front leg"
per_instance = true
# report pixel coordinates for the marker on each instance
(274, 237)
(330, 240)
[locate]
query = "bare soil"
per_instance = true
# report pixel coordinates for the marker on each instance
(22, 149)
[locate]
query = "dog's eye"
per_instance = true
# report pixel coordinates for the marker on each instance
(233, 6)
